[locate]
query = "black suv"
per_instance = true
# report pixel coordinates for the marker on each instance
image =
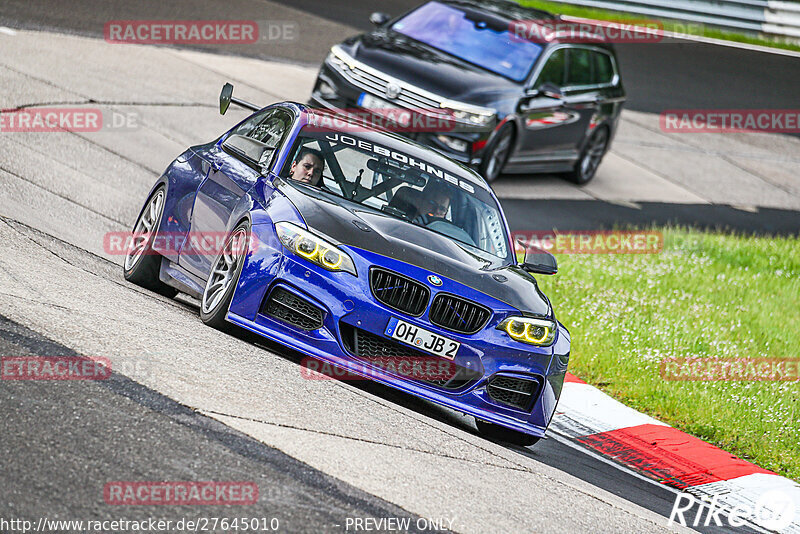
(517, 105)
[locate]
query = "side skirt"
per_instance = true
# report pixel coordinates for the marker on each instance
(173, 275)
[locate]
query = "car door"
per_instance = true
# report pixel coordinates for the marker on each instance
(232, 173)
(557, 115)
(610, 96)
(545, 123)
(583, 94)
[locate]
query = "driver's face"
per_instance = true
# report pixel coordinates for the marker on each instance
(308, 170)
(438, 206)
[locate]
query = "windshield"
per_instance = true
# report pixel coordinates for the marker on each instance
(481, 41)
(401, 186)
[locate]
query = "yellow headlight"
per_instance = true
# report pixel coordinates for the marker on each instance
(331, 259)
(306, 247)
(530, 330)
(314, 248)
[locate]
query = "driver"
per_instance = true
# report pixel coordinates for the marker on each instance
(307, 167)
(434, 202)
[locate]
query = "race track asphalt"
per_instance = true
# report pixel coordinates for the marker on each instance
(64, 440)
(75, 436)
(668, 75)
(659, 76)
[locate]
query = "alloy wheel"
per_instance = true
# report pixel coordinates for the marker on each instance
(144, 229)
(224, 270)
(498, 156)
(594, 155)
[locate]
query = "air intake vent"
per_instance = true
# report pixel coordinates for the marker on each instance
(407, 362)
(457, 314)
(511, 391)
(399, 292)
(289, 308)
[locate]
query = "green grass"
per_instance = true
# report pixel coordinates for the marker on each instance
(669, 25)
(706, 295)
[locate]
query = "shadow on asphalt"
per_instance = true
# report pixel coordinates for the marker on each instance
(70, 437)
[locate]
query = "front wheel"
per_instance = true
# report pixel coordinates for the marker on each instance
(500, 433)
(224, 275)
(590, 159)
(497, 152)
(142, 263)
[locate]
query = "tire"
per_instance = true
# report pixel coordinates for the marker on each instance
(221, 283)
(499, 433)
(497, 152)
(590, 159)
(142, 264)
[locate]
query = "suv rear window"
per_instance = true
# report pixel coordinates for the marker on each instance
(580, 70)
(603, 68)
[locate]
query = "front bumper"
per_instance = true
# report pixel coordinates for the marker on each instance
(347, 303)
(347, 96)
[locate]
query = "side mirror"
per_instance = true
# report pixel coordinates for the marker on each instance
(551, 90)
(225, 98)
(547, 89)
(539, 261)
(379, 18)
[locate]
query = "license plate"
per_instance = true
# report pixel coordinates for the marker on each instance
(381, 107)
(422, 339)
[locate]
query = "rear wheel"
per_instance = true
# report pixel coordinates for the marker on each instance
(142, 263)
(223, 278)
(497, 152)
(590, 159)
(500, 433)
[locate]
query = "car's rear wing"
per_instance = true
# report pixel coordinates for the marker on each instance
(226, 98)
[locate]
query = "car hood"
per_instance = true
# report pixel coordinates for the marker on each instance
(345, 222)
(427, 68)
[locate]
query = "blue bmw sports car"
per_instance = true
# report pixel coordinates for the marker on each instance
(365, 251)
